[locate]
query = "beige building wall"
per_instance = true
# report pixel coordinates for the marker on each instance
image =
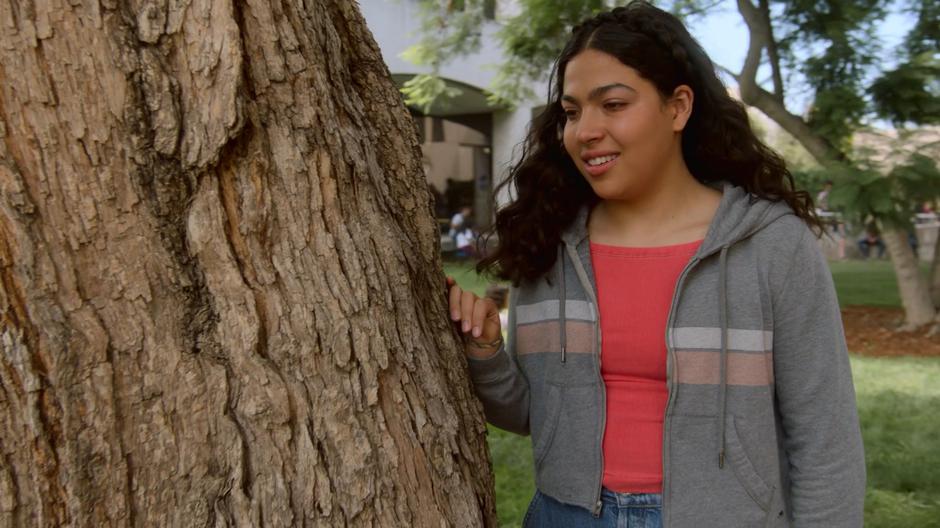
(453, 157)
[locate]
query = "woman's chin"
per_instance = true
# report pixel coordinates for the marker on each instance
(605, 191)
(621, 187)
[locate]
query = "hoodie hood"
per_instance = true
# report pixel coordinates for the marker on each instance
(739, 215)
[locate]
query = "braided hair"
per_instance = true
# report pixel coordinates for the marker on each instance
(717, 141)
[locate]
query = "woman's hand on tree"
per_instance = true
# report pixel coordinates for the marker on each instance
(478, 319)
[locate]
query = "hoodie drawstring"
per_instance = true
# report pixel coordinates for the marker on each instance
(723, 358)
(562, 338)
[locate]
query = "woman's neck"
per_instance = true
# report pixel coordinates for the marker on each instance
(674, 212)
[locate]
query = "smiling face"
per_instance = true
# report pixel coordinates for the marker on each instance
(622, 135)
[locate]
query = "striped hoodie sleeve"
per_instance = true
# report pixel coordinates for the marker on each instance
(500, 383)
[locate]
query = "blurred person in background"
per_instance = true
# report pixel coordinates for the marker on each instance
(871, 239)
(822, 199)
(831, 219)
(460, 218)
(466, 240)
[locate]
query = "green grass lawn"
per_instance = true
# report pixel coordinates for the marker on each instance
(898, 404)
(465, 276)
(898, 401)
(865, 282)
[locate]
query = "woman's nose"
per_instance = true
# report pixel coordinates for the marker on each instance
(590, 128)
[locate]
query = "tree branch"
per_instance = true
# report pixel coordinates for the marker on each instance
(772, 55)
(757, 38)
(772, 105)
(733, 74)
(698, 9)
(796, 126)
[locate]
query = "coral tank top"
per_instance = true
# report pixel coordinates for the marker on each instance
(635, 287)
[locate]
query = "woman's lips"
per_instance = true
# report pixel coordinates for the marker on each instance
(597, 170)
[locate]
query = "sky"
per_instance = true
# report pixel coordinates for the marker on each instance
(724, 34)
(725, 39)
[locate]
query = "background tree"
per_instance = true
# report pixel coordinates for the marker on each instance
(830, 49)
(221, 298)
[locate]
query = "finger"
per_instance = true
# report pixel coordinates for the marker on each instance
(454, 298)
(467, 301)
(481, 309)
(492, 315)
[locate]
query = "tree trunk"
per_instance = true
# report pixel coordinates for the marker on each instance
(935, 275)
(220, 291)
(915, 296)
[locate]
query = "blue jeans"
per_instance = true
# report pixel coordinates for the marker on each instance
(619, 510)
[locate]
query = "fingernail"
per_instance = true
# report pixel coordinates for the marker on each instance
(466, 326)
(455, 315)
(476, 331)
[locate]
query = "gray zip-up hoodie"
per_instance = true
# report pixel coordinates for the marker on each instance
(761, 427)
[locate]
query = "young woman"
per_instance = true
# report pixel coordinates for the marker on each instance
(675, 347)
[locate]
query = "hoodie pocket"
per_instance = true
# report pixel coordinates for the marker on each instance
(737, 458)
(542, 441)
(703, 495)
(566, 446)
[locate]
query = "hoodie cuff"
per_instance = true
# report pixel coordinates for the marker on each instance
(491, 368)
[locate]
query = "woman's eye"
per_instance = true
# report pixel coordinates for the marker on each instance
(571, 114)
(613, 106)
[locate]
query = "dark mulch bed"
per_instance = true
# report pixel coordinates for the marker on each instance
(872, 331)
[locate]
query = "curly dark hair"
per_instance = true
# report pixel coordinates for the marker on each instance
(717, 142)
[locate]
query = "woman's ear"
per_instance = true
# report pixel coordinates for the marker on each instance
(681, 106)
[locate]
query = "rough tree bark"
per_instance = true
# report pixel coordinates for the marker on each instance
(220, 287)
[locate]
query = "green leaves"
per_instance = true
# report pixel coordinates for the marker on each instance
(836, 113)
(862, 190)
(863, 193)
(532, 39)
(910, 94)
(840, 38)
(449, 29)
(422, 90)
(919, 178)
(925, 35)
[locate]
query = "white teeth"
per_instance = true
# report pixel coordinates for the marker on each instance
(601, 160)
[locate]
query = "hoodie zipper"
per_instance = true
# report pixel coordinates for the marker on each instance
(670, 382)
(589, 289)
(600, 442)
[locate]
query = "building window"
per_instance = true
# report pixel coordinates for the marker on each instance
(489, 9)
(437, 130)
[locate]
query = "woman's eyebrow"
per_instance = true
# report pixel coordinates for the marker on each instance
(598, 92)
